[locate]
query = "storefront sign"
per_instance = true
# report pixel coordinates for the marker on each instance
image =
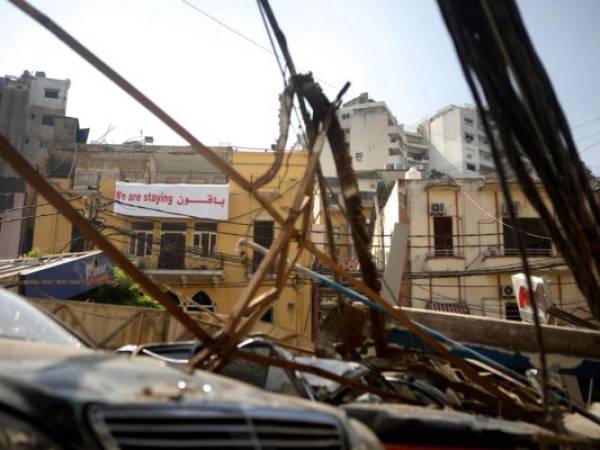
(67, 277)
(205, 201)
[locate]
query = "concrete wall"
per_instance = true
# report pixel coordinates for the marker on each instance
(451, 152)
(10, 234)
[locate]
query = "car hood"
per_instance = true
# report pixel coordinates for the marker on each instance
(81, 375)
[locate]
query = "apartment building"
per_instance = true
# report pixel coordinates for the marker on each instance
(179, 219)
(462, 252)
(373, 136)
(29, 105)
(458, 144)
(32, 119)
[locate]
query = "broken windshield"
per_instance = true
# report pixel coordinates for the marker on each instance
(23, 321)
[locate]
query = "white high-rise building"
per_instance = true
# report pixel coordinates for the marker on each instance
(459, 146)
(373, 137)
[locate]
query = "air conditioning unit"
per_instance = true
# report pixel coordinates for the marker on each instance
(516, 207)
(492, 250)
(507, 291)
(437, 209)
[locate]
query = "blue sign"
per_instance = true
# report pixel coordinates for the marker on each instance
(67, 277)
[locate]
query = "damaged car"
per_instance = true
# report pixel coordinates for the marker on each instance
(57, 393)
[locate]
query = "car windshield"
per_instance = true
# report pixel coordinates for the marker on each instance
(23, 321)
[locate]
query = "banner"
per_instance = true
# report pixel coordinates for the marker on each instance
(204, 201)
(541, 297)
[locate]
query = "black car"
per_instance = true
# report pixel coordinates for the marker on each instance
(56, 393)
(300, 384)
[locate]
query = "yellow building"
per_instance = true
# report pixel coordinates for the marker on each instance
(195, 257)
(462, 250)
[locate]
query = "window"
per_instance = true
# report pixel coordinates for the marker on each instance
(533, 229)
(511, 311)
(483, 139)
(394, 151)
(469, 156)
(442, 236)
(472, 167)
(140, 242)
(263, 235)
(79, 243)
(346, 116)
(348, 146)
(469, 137)
(205, 238)
(203, 299)
(47, 120)
(468, 121)
(359, 156)
(51, 93)
(346, 131)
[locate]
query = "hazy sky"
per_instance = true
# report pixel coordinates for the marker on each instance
(224, 89)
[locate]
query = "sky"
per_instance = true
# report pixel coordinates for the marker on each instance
(225, 89)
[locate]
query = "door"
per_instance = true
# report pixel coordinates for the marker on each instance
(263, 235)
(442, 236)
(172, 251)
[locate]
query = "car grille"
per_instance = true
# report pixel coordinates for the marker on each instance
(215, 428)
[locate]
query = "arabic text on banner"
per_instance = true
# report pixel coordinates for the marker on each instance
(205, 201)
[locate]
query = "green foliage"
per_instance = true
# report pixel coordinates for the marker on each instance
(33, 253)
(122, 291)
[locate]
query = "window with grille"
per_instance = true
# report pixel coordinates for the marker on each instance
(205, 238)
(140, 242)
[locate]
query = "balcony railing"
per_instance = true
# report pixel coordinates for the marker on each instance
(175, 261)
(501, 250)
(172, 177)
(443, 245)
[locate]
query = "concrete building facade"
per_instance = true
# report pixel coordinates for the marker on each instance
(194, 258)
(458, 145)
(32, 119)
(29, 105)
(373, 136)
(462, 252)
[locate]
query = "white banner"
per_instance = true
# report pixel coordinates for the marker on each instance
(205, 201)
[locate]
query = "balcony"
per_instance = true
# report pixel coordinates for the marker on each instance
(168, 264)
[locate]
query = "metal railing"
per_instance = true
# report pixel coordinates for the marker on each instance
(173, 177)
(501, 250)
(89, 180)
(177, 261)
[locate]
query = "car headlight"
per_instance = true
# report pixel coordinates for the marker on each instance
(18, 435)
(361, 437)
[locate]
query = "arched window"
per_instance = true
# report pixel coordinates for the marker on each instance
(174, 298)
(202, 298)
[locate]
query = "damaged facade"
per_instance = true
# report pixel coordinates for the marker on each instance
(462, 251)
(195, 258)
